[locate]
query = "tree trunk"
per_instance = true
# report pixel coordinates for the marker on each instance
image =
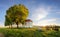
(17, 25)
(9, 26)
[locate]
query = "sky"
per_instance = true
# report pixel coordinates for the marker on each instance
(41, 12)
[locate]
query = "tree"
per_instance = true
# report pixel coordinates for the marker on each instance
(8, 20)
(17, 14)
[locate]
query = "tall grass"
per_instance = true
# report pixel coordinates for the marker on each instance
(29, 32)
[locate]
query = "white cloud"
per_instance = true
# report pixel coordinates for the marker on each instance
(40, 13)
(47, 21)
(58, 12)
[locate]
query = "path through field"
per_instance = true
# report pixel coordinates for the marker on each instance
(1, 35)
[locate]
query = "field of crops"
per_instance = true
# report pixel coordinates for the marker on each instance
(29, 32)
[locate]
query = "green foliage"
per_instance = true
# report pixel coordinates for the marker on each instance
(16, 14)
(7, 21)
(29, 33)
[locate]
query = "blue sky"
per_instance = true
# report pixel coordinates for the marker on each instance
(42, 12)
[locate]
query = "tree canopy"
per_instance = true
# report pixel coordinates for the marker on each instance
(16, 14)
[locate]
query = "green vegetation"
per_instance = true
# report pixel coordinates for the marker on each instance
(16, 14)
(29, 32)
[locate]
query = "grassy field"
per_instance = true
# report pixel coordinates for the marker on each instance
(29, 32)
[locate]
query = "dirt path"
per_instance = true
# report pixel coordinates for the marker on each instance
(1, 35)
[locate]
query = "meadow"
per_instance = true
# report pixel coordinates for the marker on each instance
(28, 32)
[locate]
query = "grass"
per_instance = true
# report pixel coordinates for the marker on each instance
(29, 32)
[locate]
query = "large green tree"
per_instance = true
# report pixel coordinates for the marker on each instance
(16, 14)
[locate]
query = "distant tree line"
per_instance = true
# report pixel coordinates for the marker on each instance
(53, 27)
